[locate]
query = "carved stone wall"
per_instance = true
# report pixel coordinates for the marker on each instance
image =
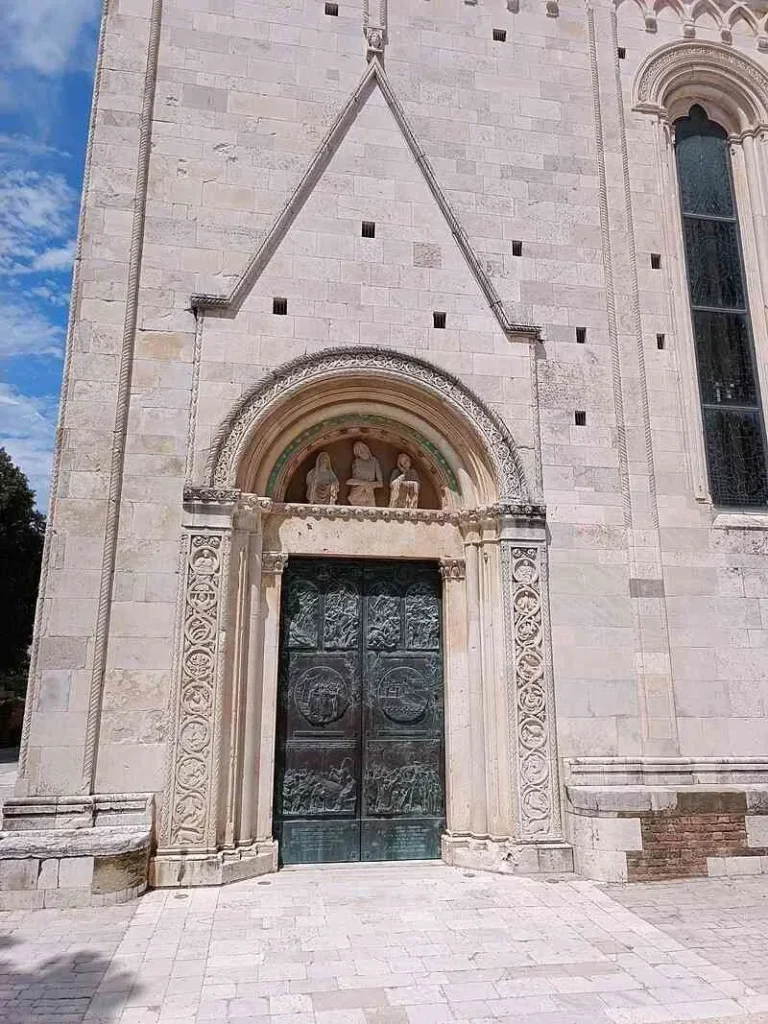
(193, 783)
(531, 696)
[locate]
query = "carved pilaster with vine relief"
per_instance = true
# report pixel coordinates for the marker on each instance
(531, 692)
(192, 812)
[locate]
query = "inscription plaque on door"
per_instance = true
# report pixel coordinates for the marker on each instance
(359, 768)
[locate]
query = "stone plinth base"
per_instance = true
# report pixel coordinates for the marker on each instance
(72, 867)
(176, 869)
(74, 851)
(507, 857)
(644, 819)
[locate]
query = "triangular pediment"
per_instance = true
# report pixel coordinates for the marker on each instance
(374, 78)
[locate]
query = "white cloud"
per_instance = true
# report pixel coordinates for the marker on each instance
(26, 432)
(27, 332)
(57, 258)
(47, 36)
(36, 209)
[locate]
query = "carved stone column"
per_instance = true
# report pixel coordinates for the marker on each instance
(201, 838)
(478, 754)
(531, 690)
(252, 671)
(193, 790)
(457, 710)
(272, 565)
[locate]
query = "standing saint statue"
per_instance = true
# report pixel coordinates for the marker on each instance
(322, 482)
(366, 476)
(404, 484)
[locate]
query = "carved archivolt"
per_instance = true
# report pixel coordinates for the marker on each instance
(692, 69)
(477, 421)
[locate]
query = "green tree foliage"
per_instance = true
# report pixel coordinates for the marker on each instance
(22, 529)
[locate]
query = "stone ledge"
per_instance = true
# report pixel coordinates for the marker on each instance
(71, 842)
(100, 810)
(72, 867)
(75, 851)
(506, 857)
(612, 800)
(665, 771)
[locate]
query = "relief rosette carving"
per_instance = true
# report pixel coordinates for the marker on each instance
(530, 701)
(198, 686)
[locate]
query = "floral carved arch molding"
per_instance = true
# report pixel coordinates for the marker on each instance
(477, 422)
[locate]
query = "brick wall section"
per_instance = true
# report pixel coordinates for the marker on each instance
(677, 843)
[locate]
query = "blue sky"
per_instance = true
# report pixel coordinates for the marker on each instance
(46, 76)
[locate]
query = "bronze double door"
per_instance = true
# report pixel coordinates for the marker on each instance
(359, 771)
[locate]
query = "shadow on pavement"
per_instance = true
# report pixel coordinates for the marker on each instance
(75, 988)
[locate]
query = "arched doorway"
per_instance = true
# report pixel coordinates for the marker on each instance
(460, 512)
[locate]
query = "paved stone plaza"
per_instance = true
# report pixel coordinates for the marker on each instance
(396, 944)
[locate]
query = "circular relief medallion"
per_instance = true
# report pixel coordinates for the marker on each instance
(204, 560)
(196, 699)
(321, 694)
(191, 773)
(198, 663)
(202, 595)
(194, 736)
(403, 695)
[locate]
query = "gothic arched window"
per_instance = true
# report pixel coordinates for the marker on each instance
(730, 399)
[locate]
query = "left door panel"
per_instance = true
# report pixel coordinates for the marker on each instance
(318, 765)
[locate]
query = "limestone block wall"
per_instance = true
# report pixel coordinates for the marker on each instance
(207, 115)
(713, 564)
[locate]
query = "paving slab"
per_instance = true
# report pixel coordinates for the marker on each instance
(408, 943)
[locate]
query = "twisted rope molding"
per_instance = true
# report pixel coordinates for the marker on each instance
(122, 406)
(66, 385)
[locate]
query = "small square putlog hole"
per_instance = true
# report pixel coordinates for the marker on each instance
(661, 341)
(439, 319)
(368, 229)
(581, 335)
(622, 52)
(500, 35)
(332, 10)
(279, 306)
(580, 418)
(655, 261)
(517, 248)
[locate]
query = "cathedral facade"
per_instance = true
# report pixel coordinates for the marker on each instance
(410, 494)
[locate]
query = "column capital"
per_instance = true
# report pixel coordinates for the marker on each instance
(273, 562)
(453, 569)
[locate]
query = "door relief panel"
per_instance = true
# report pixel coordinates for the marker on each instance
(360, 767)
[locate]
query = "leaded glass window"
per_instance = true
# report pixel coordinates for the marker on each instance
(730, 399)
